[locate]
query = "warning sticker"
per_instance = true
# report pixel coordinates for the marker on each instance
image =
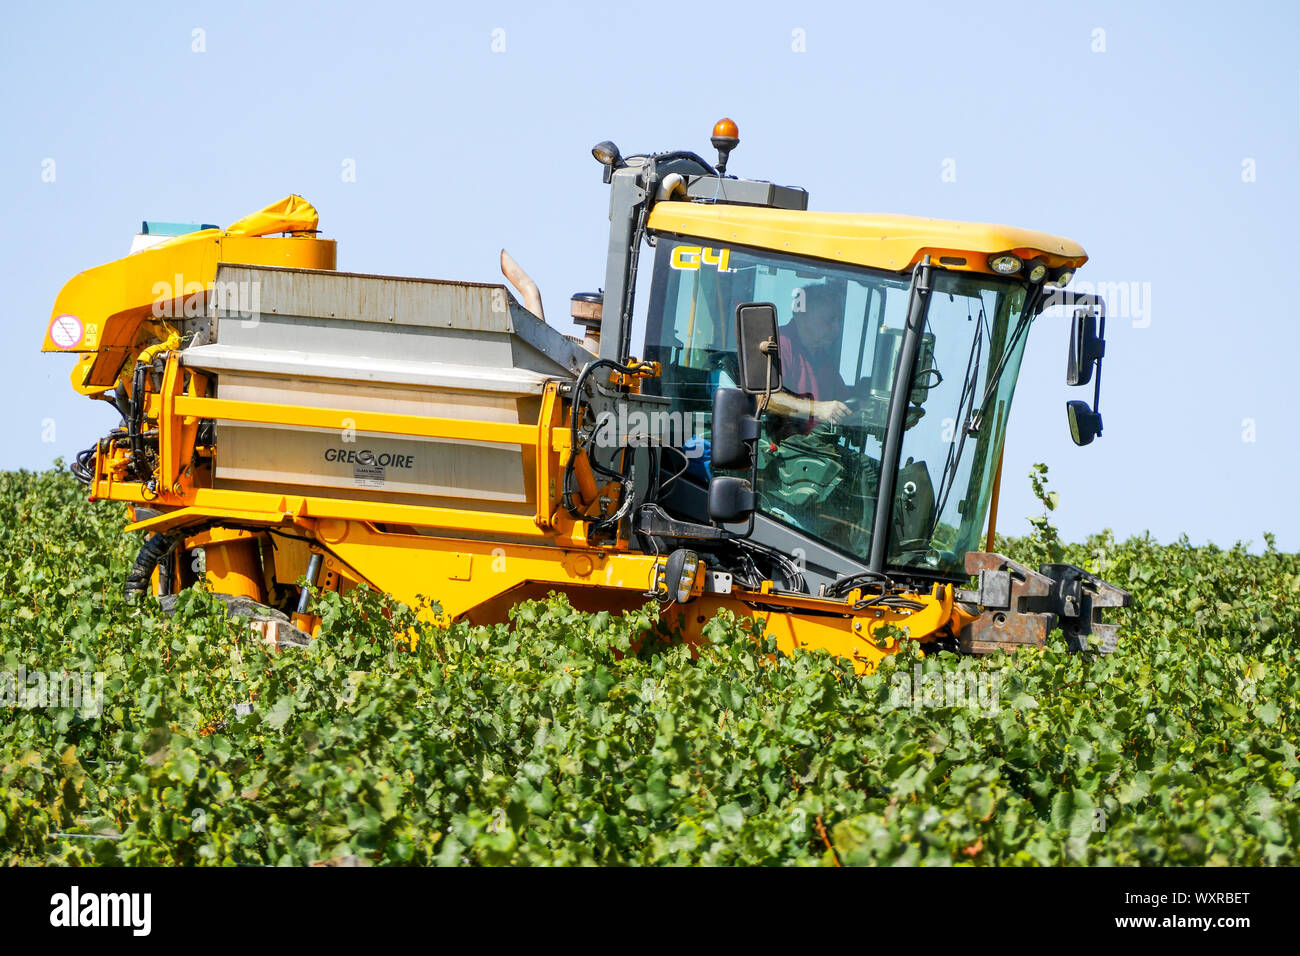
(66, 331)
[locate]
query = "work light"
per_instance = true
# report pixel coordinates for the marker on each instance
(1005, 264)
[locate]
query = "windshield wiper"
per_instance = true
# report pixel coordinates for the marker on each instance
(948, 477)
(976, 420)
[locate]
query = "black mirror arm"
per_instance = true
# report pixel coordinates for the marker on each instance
(1101, 340)
(1101, 353)
(772, 349)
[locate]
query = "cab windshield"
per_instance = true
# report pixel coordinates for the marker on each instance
(841, 335)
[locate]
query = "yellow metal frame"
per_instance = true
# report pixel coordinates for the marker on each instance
(477, 563)
(178, 414)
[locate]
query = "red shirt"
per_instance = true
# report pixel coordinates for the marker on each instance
(807, 374)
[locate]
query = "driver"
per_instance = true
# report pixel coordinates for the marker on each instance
(810, 350)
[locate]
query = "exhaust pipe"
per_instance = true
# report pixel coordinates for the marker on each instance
(523, 284)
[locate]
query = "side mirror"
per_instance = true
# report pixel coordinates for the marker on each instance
(1085, 424)
(735, 432)
(758, 347)
(731, 500)
(1086, 347)
(735, 429)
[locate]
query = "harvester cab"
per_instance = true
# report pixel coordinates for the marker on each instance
(900, 339)
(809, 434)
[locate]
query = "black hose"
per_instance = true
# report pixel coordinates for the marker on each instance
(155, 548)
(567, 489)
(845, 584)
(83, 466)
(135, 423)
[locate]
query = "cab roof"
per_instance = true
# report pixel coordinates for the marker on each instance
(875, 240)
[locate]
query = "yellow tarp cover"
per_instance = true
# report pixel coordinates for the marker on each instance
(291, 214)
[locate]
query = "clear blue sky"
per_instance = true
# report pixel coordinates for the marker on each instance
(1137, 151)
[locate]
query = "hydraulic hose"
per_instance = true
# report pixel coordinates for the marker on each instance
(83, 466)
(155, 548)
(567, 489)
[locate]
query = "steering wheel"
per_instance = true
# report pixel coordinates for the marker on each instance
(870, 417)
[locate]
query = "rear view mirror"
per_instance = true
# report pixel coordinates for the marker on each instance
(735, 430)
(758, 347)
(735, 433)
(1085, 424)
(730, 499)
(1086, 347)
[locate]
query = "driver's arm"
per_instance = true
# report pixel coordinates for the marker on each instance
(803, 406)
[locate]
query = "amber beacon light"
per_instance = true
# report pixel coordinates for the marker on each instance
(726, 137)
